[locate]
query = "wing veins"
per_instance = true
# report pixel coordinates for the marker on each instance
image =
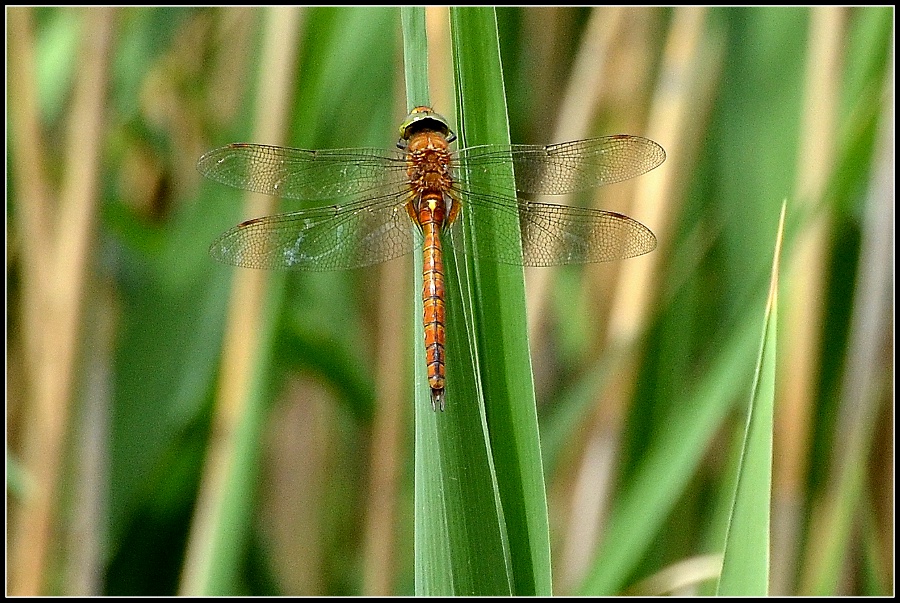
(288, 231)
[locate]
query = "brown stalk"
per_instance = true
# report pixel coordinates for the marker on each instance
(244, 325)
(866, 388)
(802, 325)
(579, 105)
(60, 252)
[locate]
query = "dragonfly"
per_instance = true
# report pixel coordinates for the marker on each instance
(393, 201)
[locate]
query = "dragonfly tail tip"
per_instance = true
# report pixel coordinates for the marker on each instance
(437, 399)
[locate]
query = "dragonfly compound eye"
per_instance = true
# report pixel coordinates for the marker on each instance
(423, 118)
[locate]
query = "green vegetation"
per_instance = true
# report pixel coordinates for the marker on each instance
(179, 426)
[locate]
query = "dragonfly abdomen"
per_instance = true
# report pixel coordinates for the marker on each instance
(430, 216)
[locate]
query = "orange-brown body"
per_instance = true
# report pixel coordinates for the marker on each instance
(433, 209)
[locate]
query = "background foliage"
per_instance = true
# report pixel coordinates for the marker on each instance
(117, 317)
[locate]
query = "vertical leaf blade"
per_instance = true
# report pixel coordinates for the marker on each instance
(745, 566)
(459, 541)
(497, 295)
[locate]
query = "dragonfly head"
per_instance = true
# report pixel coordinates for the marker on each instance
(423, 118)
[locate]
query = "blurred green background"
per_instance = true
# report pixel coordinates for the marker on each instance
(117, 315)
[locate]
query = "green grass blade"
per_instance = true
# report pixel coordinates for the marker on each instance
(459, 541)
(415, 64)
(415, 56)
(498, 305)
(745, 566)
(481, 514)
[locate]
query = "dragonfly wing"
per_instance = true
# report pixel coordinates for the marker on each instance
(561, 234)
(501, 220)
(551, 234)
(566, 167)
(326, 238)
(302, 174)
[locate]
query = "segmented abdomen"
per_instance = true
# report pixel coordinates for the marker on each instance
(433, 298)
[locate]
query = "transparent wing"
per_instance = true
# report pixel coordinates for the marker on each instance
(374, 226)
(326, 238)
(566, 167)
(307, 175)
(551, 235)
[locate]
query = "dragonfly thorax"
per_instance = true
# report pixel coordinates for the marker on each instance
(428, 163)
(428, 170)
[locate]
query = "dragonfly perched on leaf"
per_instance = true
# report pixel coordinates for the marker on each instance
(396, 200)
